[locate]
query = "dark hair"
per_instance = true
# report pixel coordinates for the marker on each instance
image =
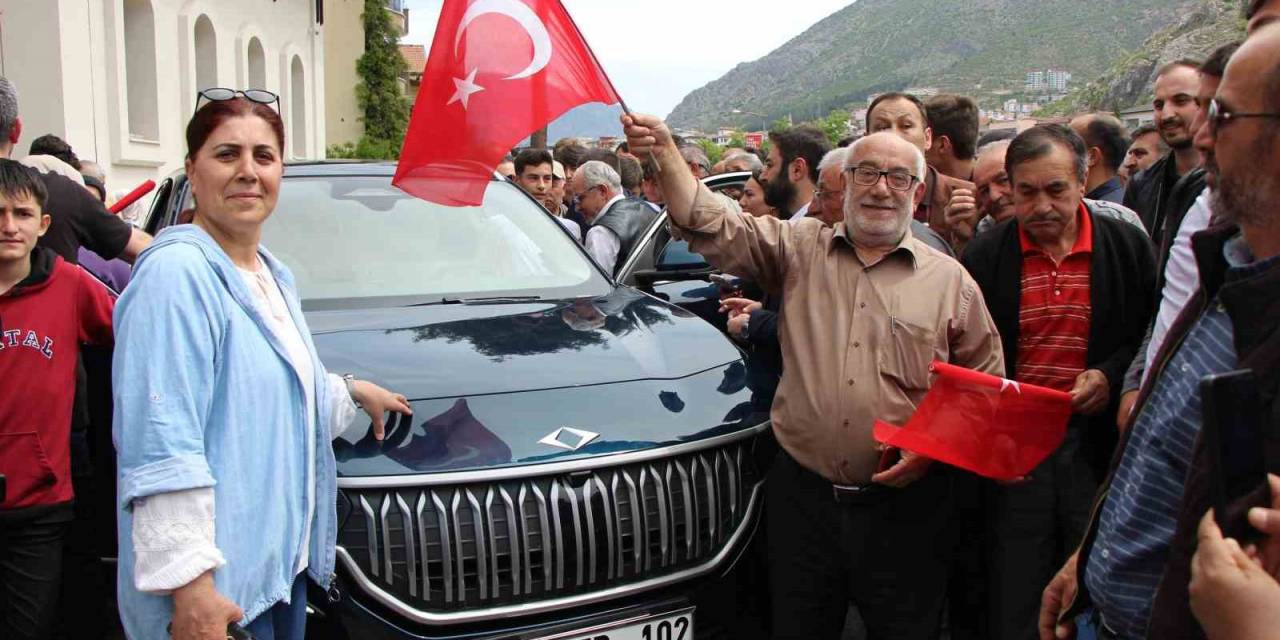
(1251, 8)
(1145, 129)
(571, 155)
(532, 158)
(51, 145)
(603, 155)
(211, 116)
(1216, 64)
(1189, 63)
(17, 180)
(804, 141)
(1109, 135)
(896, 95)
(631, 173)
(96, 185)
(955, 117)
(622, 147)
(996, 135)
(1039, 141)
(650, 168)
(848, 140)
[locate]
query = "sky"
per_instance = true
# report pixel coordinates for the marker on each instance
(657, 51)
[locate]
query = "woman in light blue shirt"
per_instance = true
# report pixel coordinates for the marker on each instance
(223, 413)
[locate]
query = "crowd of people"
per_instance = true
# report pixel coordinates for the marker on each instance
(1121, 268)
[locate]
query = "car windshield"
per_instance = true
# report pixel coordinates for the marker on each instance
(358, 241)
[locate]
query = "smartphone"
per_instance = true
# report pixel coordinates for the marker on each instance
(1232, 434)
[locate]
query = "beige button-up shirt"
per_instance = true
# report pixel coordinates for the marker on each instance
(857, 339)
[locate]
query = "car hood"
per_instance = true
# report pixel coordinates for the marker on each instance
(488, 382)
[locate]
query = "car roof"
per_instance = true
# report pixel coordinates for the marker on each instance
(322, 168)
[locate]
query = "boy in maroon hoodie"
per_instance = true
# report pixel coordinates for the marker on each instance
(48, 308)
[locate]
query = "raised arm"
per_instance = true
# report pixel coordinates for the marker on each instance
(747, 246)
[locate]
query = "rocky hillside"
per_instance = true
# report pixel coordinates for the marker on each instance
(1196, 33)
(979, 47)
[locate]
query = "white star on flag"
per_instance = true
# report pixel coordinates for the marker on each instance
(464, 89)
(1006, 383)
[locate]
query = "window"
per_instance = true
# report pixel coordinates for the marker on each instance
(298, 108)
(206, 42)
(140, 69)
(356, 238)
(257, 65)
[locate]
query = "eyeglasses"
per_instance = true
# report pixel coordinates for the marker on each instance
(868, 177)
(1218, 116)
(218, 94)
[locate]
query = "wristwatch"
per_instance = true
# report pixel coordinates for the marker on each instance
(350, 381)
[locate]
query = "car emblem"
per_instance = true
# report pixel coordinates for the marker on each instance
(576, 438)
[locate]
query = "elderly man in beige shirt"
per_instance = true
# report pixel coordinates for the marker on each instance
(866, 307)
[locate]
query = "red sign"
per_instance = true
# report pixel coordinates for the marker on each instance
(755, 139)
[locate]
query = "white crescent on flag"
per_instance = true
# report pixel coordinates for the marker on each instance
(1007, 383)
(527, 19)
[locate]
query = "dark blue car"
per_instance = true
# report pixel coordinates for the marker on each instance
(584, 460)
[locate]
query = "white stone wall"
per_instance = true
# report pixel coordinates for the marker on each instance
(71, 61)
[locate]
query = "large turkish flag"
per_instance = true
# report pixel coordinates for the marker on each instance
(993, 427)
(498, 71)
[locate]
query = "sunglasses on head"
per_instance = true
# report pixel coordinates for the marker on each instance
(218, 94)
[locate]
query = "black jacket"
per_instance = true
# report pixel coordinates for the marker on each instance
(1151, 195)
(1121, 282)
(628, 219)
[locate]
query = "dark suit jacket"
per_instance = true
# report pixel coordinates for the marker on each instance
(1122, 280)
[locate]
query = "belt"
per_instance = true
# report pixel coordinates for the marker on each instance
(859, 493)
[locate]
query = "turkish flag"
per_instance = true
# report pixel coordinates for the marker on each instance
(498, 71)
(991, 426)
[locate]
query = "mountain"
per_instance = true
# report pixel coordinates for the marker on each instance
(983, 48)
(1128, 82)
(587, 121)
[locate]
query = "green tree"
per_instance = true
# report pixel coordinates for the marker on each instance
(386, 111)
(781, 124)
(713, 150)
(737, 140)
(835, 125)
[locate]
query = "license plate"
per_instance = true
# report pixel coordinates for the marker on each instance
(676, 626)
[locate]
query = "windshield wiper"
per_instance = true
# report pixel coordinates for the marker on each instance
(488, 300)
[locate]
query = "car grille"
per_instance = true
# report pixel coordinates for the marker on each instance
(479, 546)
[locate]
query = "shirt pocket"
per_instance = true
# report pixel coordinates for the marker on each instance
(26, 468)
(906, 357)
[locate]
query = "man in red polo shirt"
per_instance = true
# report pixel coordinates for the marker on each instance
(1071, 291)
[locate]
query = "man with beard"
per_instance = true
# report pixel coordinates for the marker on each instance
(1071, 292)
(866, 307)
(905, 115)
(1175, 261)
(791, 171)
(1132, 571)
(1150, 192)
(1146, 147)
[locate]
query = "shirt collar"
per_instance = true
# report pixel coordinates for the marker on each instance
(802, 211)
(1241, 264)
(611, 202)
(906, 245)
(1105, 188)
(1084, 239)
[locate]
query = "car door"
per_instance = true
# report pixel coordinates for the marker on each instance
(665, 267)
